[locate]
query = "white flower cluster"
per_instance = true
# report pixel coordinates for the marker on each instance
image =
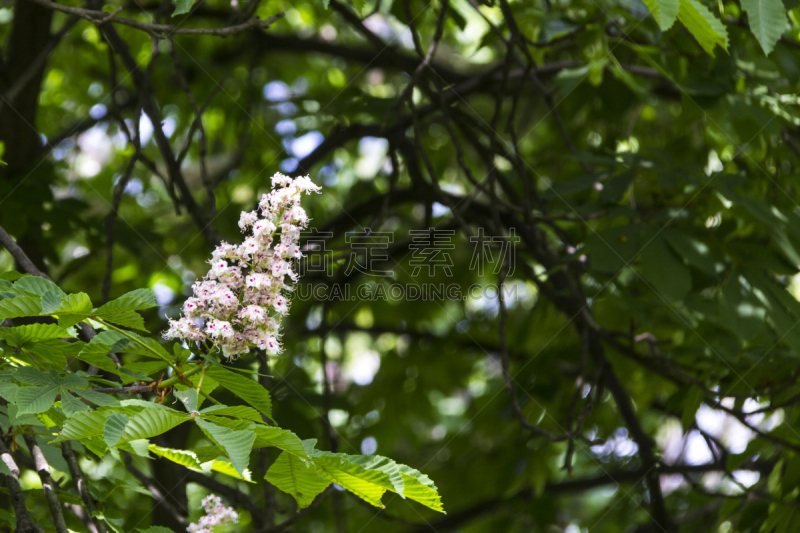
(216, 514)
(241, 300)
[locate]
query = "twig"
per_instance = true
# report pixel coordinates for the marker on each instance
(83, 489)
(147, 482)
(101, 17)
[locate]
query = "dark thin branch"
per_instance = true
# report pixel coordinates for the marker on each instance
(232, 494)
(102, 17)
(150, 485)
(83, 489)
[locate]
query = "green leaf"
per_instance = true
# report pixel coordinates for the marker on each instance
(237, 444)
(369, 485)
(767, 21)
(131, 301)
(39, 286)
(96, 353)
(407, 482)
(71, 405)
(182, 6)
(185, 458)
(279, 438)
(207, 454)
(122, 311)
(666, 275)
(297, 477)
(237, 411)
(246, 389)
(32, 400)
(73, 309)
(114, 428)
(21, 335)
(191, 460)
(8, 391)
(11, 275)
(694, 250)
(83, 426)
(33, 376)
(97, 398)
(128, 319)
(188, 398)
(612, 249)
(151, 421)
(664, 11)
(228, 469)
(156, 529)
(56, 352)
(703, 25)
(148, 347)
(21, 306)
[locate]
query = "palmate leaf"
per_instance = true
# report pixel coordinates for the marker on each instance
(664, 11)
(237, 444)
(703, 25)
(367, 476)
(767, 21)
(245, 388)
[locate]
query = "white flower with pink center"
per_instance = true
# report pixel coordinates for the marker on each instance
(240, 302)
(246, 219)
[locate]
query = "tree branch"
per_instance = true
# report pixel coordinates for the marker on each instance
(43, 469)
(101, 17)
(24, 522)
